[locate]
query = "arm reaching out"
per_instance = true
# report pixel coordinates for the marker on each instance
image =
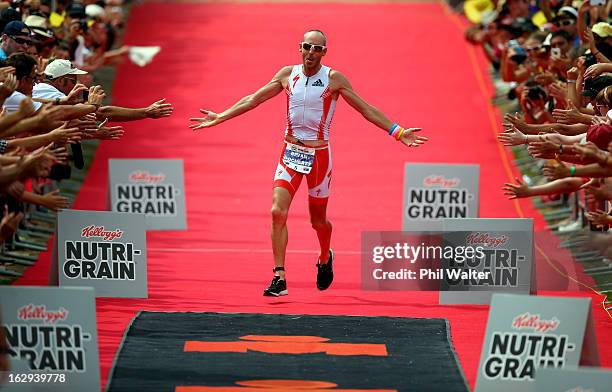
(371, 113)
(271, 89)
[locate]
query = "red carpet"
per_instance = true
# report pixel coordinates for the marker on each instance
(410, 60)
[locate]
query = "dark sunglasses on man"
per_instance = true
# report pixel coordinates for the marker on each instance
(563, 23)
(21, 40)
(316, 48)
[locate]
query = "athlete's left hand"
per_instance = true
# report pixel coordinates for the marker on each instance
(411, 139)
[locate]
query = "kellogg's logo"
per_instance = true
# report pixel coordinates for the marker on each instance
(438, 180)
(486, 239)
(146, 177)
(535, 323)
(99, 231)
(40, 312)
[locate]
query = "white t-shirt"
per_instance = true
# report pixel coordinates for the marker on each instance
(11, 104)
(46, 91)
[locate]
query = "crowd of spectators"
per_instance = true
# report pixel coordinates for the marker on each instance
(49, 52)
(554, 58)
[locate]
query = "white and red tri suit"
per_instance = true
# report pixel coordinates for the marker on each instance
(310, 108)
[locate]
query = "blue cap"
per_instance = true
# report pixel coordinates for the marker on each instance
(16, 28)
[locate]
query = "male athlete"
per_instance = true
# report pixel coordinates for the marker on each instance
(312, 91)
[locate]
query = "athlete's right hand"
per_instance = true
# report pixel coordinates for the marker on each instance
(211, 119)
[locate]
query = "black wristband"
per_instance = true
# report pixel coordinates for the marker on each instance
(57, 101)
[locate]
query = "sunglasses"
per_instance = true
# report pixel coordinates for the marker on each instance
(563, 23)
(317, 48)
(21, 41)
(534, 49)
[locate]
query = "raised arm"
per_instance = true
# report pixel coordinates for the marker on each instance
(271, 89)
(341, 84)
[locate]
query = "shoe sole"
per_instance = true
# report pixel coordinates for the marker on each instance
(269, 294)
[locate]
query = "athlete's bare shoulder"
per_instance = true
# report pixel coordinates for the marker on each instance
(337, 80)
(282, 76)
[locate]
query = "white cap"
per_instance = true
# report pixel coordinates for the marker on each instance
(94, 10)
(58, 68)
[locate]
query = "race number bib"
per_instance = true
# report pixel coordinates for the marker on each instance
(299, 158)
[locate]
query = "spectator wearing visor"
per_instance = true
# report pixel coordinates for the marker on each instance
(16, 37)
(565, 20)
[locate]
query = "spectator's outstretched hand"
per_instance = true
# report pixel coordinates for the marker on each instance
(594, 71)
(60, 154)
(54, 201)
(512, 137)
(26, 109)
(76, 94)
(8, 86)
(589, 152)
(556, 170)
(600, 120)
(159, 109)
(105, 132)
(567, 116)
(516, 121)
(411, 139)
(515, 191)
(8, 226)
(598, 217)
(65, 135)
(38, 163)
(5, 71)
(96, 95)
(210, 120)
(16, 189)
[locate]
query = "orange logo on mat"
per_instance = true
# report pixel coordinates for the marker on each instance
(286, 345)
(278, 385)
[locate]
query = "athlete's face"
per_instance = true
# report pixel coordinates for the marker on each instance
(312, 48)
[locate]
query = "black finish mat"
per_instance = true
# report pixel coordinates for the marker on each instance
(227, 352)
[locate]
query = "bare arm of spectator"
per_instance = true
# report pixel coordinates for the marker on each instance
(592, 170)
(572, 81)
(51, 200)
(7, 87)
(157, 109)
(534, 129)
(46, 119)
(520, 190)
(61, 135)
(572, 116)
(7, 121)
(597, 69)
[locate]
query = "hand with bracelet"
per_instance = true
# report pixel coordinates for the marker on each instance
(407, 136)
(554, 171)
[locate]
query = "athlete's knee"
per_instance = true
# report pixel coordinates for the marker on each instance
(279, 215)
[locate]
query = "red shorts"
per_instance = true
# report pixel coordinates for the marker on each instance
(318, 179)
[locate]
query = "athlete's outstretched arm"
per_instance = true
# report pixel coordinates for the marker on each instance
(371, 113)
(271, 89)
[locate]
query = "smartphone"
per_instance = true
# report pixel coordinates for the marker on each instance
(556, 52)
(595, 3)
(85, 95)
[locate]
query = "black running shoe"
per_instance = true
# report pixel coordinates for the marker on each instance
(325, 272)
(277, 288)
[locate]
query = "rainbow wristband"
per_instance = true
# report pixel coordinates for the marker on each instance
(399, 131)
(400, 134)
(393, 128)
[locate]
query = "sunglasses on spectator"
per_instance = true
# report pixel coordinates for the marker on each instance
(21, 41)
(534, 49)
(563, 23)
(317, 48)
